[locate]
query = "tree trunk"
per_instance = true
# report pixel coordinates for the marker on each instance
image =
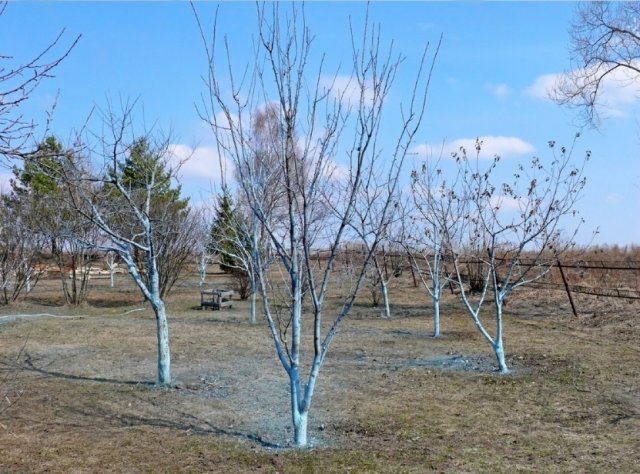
(385, 299)
(162, 333)
(252, 302)
(436, 313)
(299, 415)
(498, 347)
(300, 428)
(202, 267)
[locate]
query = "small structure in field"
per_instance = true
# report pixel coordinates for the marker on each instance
(216, 298)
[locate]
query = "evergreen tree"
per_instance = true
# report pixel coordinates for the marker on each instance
(225, 237)
(145, 173)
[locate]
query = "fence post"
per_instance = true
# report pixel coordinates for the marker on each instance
(413, 273)
(566, 287)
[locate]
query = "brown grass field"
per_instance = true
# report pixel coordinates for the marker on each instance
(78, 395)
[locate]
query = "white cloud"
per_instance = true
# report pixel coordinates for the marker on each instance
(619, 89)
(336, 171)
(202, 162)
(508, 203)
(491, 146)
(543, 86)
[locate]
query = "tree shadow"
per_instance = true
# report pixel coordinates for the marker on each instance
(29, 365)
(114, 303)
(190, 423)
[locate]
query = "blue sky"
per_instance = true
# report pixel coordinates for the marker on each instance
(494, 64)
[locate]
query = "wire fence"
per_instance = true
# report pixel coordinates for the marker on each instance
(595, 277)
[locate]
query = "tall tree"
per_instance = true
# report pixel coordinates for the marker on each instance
(315, 124)
(605, 49)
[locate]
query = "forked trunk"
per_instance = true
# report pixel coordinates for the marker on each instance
(299, 409)
(300, 428)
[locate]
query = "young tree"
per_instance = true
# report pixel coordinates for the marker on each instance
(605, 46)
(314, 126)
(378, 275)
(515, 227)
(110, 261)
(432, 224)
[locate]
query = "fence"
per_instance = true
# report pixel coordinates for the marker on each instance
(604, 278)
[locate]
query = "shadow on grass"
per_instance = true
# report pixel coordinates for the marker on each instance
(190, 424)
(185, 422)
(113, 302)
(32, 367)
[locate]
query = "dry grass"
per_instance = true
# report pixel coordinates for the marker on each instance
(390, 397)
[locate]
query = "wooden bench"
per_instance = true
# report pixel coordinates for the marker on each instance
(216, 299)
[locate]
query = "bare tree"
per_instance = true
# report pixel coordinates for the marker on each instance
(386, 261)
(432, 223)
(605, 47)
(315, 124)
(38, 190)
(514, 227)
(20, 250)
(18, 80)
(112, 265)
(130, 218)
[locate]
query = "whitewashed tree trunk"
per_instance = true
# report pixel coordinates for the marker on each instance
(433, 285)
(436, 312)
(384, 287)
(152, 293)
(202, 268)
(111, 267)
(299, 412)
(252, 301)
(498, 346)
(162, 334)
(29, 271)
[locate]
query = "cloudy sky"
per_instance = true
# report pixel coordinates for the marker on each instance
(495, 65)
